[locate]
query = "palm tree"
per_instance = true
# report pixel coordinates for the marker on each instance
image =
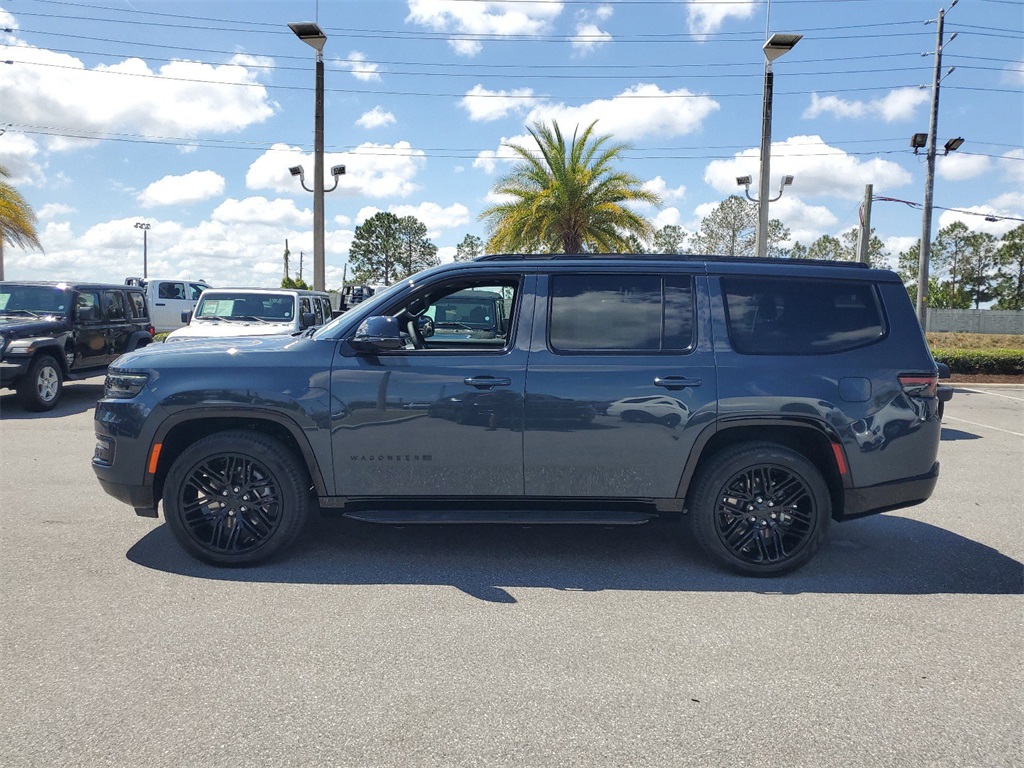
(566, 199)
(17, 219)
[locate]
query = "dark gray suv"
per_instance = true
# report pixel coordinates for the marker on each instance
(754, 399)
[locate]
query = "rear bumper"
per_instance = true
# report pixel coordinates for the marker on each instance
(885, 497)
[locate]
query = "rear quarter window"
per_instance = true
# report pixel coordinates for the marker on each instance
(801, 316)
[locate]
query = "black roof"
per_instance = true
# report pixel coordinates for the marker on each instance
(667, 257)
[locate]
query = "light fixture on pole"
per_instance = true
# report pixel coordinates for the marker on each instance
(145, 246)
(310, 33)
(776, 45)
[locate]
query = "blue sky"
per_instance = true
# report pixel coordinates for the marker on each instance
(187, 115)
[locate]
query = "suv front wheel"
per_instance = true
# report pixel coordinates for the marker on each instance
(236, 498)
(760, 509)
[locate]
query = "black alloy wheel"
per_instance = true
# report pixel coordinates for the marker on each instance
(761, 509)
(236, 498)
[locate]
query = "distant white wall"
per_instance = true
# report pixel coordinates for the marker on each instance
(976, 320)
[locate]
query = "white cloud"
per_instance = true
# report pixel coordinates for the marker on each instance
(488, 159)
(819, 170)
(897, 245)
(19, 158)
(642, 110)
(589, 37)
(706, 18)
(375, 118)
(260, 211)
(360, 68)
(181, 98)
(658, 186)
(482, 19)
(604, 12)
(1010, 204)
(666, 217)
(960, 167)
(1012, 165)
(898, 104)
(484, 105)
(1013, 74)
(373, 170)
(434, 216)
(182, 190)
(53, 210)
(806, 223)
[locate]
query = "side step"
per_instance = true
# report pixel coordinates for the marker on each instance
(500, 516)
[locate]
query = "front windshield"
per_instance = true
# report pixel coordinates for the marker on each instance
(33, 300)
(263, 307)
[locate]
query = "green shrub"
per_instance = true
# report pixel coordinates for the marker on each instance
(994, 361)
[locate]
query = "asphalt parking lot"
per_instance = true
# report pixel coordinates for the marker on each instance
(900, 644)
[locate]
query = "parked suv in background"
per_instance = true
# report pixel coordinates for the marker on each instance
(254, 312)
(53, 332)
(776, 369)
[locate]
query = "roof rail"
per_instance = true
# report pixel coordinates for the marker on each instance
(668, 257)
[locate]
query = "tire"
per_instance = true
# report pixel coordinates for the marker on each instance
(760, 509)
(236, 498)
(40, 388)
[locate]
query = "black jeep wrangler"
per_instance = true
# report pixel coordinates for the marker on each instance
(55, 332)
(755, 399)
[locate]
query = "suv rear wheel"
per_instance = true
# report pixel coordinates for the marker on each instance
(39, 389)
(760, 509)
(236, 498)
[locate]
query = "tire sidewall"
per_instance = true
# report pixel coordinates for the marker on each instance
(724, 467)
(289, 476)
(28, 387)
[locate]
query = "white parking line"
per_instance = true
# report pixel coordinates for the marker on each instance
(986, 426)
(987, 392)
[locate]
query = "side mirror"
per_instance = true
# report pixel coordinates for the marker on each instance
(426, 326)
(377, 334)
(87, 314)
(186, 317)
(306, 320)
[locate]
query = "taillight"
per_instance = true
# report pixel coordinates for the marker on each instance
(918, 385)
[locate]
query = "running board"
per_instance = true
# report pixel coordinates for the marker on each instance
(505, 517)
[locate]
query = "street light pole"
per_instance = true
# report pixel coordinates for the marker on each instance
(145, 247)
(774, 47)
(929, 182)
(311, 34)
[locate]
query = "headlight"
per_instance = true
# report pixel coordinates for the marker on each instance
(124, 385)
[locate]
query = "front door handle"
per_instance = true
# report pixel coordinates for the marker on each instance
(676, 382)
(486, 382)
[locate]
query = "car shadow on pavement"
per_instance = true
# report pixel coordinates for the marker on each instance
(884, 554)
(77, 397)
(958, 434)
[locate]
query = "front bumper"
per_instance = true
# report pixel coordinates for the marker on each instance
(12, 369)
(885, 497)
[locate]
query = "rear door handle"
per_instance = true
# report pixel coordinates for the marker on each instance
(486, 382)
(676, 382)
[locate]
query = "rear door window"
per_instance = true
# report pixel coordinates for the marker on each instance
(621, 313)
(113, 305)
(801, 316)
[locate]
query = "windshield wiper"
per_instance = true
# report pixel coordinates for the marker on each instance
(28, 312)
(246, 317)
(450, 324)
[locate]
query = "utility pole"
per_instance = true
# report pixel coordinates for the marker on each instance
(301, 254)
(286, 255)
(864, 234)
(929, 183)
